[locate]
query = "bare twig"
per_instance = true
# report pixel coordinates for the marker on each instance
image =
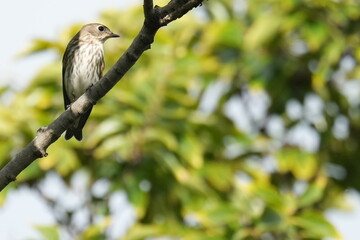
(155, 17)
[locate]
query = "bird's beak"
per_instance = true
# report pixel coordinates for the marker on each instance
(113, 35)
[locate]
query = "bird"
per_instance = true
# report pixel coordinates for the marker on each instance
(82, 66)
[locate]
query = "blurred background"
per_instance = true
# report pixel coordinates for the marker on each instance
(241, 122)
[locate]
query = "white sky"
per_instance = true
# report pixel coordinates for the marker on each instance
(25, 20)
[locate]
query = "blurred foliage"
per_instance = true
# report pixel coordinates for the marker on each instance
(241, 122)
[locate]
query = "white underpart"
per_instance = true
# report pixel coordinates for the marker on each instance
(84, 75)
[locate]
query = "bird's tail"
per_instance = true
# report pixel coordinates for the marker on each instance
(73, 132)
(76, 129)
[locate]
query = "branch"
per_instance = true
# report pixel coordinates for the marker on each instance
(155, 18)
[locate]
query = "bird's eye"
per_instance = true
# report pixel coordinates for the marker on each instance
(101, 28)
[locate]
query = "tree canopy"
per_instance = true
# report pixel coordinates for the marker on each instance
(241, 122)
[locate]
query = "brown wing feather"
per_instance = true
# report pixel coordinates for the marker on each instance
(67, 65)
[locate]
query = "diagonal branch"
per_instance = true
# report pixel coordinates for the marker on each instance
(173, 11)
(155, 18)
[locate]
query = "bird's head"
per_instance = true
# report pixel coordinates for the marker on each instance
(96, 32)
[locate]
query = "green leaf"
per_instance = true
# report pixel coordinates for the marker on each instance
(191, 150)
(315, 225)
(3, 89)
(262, 30)
(33, 171)
(105, 129)
(315, 34)
(271, 217)
(39, 45)
(303, 165)
(314, 192)
(230, 34)
(142, 231)
(161, 135)
(219, 175)
(48, 75)
(131, 99)
(66, 161)
(49, 232)
(270, 196)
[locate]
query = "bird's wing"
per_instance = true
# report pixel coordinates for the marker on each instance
(68, 56)
(66, 98)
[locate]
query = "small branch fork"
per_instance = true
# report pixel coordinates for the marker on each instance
(155, 18)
